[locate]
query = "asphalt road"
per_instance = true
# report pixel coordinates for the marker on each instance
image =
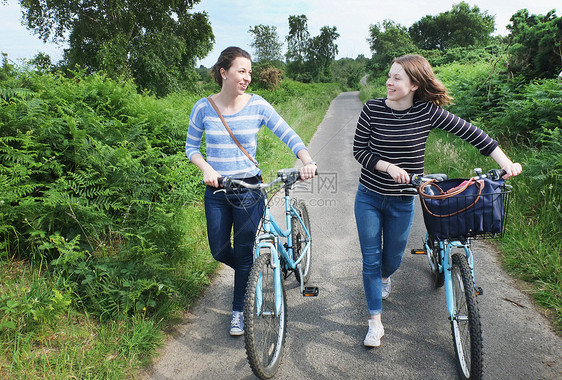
(325, 334)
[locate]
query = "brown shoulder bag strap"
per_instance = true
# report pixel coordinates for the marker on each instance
(230, 131)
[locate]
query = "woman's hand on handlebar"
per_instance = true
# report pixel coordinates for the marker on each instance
(308, 171)
(211, 177)
(512, 169)
(398, 174)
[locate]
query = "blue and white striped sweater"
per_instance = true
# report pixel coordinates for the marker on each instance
(222, 153)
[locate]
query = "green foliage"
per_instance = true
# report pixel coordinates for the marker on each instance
(460, 27)
(309, 59)
(536, 44)
(90, 167)
(349, 71)
(267, 47)
(467, 54)
(156, 43)
(476, 87)
(297, 39)
(526, 114)
(387, 41)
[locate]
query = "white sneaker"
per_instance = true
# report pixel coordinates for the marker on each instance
(386, 286)
(237, 323)
(374, 335)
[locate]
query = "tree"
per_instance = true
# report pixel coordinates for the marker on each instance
(297, 39)
(320, 53)
(267, 47)
(308, 58)
(155, 42)
(387, 41)
(297, 42)
(536, 44)
(459, 27)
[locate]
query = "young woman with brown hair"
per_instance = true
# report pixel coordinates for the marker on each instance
(390, 146)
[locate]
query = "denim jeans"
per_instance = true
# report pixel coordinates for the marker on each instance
(383, 224)
(241, 209)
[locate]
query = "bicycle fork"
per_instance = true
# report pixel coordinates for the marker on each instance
(275, 264)
(446, 253)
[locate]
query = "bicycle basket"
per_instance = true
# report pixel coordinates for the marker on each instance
(460, 208)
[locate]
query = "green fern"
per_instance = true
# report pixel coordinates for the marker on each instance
(10, 93)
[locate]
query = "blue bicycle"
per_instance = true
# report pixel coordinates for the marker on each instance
(278, 253)
(453, 217)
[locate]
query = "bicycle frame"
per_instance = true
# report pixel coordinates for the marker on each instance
(445, 252)
(272, 239)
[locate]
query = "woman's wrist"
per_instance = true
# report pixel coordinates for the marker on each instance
(388, 167)
(310, 163)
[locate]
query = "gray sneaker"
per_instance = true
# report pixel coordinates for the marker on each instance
(386, 286)
(237, 323)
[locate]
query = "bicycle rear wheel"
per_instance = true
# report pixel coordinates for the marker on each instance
(300, 238)
(465, 325)
(265, 330)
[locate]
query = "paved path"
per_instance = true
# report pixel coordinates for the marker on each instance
(325, 334)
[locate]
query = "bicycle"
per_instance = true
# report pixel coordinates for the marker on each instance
(278, 252)
(454, 269)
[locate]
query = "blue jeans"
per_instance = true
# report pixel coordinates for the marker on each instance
(383, 224)
(241, 209)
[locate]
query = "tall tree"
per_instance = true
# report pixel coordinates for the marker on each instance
(155, 42)
(536, 49)
(297, 39)
(267, 47)
(461, 26)
(387, 41)
(321, 52)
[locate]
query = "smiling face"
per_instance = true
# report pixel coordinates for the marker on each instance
(399, 86)
(238, 77)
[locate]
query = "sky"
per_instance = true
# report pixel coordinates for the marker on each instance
(231, 20)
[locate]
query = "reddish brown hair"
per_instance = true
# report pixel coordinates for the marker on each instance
(421, 74)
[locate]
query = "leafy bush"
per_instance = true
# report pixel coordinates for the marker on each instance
(92, 169)
(477, 88)
(525, 113)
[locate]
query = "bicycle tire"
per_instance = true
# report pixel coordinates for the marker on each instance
(264, 333)
(433, 255)
(465, 324)
(299, 241)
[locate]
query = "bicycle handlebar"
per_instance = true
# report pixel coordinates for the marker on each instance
(493, 174)
(288, 176)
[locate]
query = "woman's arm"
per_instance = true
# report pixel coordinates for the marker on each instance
(309, 167)
(210, 175)
(511, 169)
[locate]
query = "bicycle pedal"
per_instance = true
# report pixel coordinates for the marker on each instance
(417, 252)
(479, 291)
(310, 291)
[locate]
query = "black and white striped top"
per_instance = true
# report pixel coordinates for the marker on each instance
(399, 137)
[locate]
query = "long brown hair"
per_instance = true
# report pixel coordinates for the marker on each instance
(225, 60)
(421, 74)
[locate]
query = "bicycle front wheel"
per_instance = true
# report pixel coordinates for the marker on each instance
(300, 239)
(433, 256)
(465, 324)
(264, 328)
